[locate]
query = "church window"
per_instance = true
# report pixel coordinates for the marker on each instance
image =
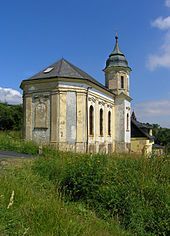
(91, 120)
(122, 82)
(101, 122)
(109, 123)
(127, 122)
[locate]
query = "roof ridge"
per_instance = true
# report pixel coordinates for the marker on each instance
(59, 70)
(73, 67)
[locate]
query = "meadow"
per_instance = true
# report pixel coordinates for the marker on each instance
(61, 193)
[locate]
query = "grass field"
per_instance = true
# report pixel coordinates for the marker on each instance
(77, 194)
(37, 208)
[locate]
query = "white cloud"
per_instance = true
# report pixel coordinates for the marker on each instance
(167, 3)
(161, 23)
(10, 96)
(162, 57)
(157, 111)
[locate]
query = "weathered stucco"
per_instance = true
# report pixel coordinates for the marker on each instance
(141, 145)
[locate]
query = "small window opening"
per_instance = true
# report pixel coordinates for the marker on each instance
(127, 122)
(101, 122)
(122, 82)
(91, 118)
(109, 123)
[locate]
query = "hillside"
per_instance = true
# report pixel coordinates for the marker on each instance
(61, 193)
(30, 205)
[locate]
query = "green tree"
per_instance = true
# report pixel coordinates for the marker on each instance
(10, 117)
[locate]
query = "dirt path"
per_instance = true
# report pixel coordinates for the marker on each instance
(11, 154)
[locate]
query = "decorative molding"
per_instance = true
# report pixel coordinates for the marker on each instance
(40, 98)
(101, 103)
(92, 99)
(128, 108)
(109, 106)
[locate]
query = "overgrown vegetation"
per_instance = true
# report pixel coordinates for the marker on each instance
(11, 117)
(78, 194)
(11, 141)
(36, 208)
(135, 192)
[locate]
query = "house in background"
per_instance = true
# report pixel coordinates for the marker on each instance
(142, 140)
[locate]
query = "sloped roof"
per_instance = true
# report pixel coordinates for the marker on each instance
(65, 69)
(142, 128)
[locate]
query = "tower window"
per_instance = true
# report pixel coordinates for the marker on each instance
(101, 122)
(109, 123)
(91, 120)
(122, 82)
(127, 122)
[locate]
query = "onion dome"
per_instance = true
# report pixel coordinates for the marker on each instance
(117, 58)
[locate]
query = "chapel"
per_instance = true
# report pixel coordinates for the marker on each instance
(70, 110)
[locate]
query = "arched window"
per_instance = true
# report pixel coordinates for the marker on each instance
(109, 123)
(122, 82)
(127, 122)
(91, 120)
(101, 122)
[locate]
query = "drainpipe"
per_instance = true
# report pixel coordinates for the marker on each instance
(87, 116)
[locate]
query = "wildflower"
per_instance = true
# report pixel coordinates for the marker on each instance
(11, 201)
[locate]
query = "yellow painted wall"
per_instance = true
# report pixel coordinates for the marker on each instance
(141, 146)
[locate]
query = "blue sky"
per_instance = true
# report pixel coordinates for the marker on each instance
(34, 34)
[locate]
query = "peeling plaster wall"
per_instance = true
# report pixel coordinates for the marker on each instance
(41, 118)
(71, 117)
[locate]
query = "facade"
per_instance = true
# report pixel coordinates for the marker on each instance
(67, 108)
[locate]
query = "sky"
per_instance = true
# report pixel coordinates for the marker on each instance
(35, 34)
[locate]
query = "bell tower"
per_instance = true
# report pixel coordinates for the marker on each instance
(117, 71)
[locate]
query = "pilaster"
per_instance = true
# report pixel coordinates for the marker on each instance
(28, 116)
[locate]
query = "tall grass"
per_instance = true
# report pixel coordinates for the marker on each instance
(136, 192)
(37, 208)
(131, 190)
(12, 141)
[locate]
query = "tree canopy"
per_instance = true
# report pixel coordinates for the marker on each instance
(11, 117)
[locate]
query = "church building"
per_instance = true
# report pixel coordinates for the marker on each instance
(70, 110)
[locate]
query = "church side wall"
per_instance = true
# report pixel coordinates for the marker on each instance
(104, 143)
(59, 117)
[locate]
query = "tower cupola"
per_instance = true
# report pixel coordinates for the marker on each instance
(117, 71)
(117, 58)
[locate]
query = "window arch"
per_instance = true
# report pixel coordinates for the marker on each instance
(127, 122)
(109, 123)
(122, 82)
(101, 122)
(91, 120)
